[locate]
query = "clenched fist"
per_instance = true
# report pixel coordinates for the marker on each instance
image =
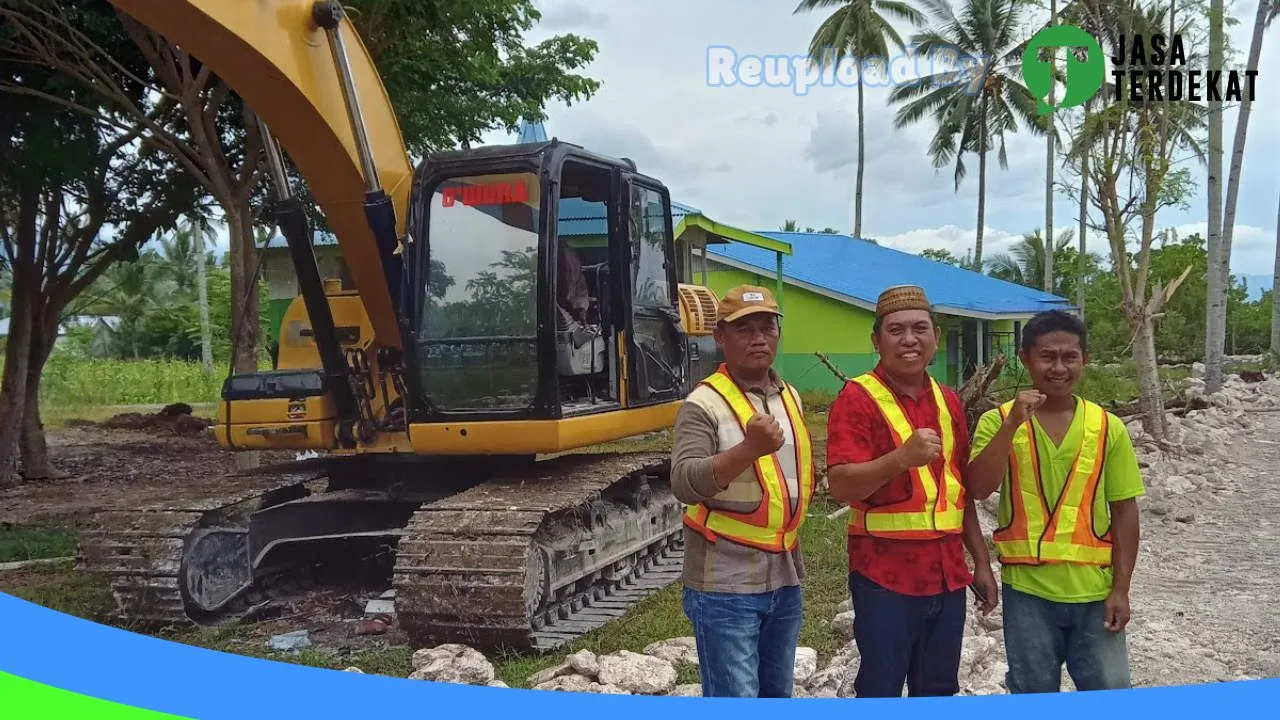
(764, 435)
(1024, 406)
(922, 447)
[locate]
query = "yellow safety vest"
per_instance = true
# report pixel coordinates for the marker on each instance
(1033, 535)
(935, 508)
(771, 526)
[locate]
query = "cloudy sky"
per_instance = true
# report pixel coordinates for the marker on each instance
(756, 156)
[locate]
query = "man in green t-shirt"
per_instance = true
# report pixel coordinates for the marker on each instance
(1067, 534)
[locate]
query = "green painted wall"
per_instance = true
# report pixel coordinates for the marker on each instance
(814, 323)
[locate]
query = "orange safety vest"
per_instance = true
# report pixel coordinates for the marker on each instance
(771, 526)
(1033, 535)
(935, 509)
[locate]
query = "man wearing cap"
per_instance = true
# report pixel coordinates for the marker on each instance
(742, 463)
(897, 450)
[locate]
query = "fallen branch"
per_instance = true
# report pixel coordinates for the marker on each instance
(843, 378)
(975, 393)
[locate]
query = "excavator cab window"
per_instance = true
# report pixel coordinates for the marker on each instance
(658, 348)
(598, 262)
(586, 328)
(478, 326)
(615, 285)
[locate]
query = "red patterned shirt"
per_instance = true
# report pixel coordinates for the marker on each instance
(858, 433)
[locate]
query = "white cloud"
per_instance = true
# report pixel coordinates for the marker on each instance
(757, 156)
(949, 237)
(572, 16)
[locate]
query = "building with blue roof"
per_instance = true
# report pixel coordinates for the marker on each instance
(832, 283)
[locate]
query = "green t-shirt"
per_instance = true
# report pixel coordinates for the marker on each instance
(1121, 480)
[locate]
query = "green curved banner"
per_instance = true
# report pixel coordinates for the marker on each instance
(25, 699)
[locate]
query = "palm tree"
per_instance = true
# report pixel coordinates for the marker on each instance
(980, 101)
(1049, 162)
(133, 291)
(1025, 263)
(1216, 323)
(858, 30)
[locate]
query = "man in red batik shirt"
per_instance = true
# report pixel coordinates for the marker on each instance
(897, 449)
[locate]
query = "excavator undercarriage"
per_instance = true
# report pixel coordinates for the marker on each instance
(526, 556)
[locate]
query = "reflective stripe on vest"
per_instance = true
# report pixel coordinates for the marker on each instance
(1033, 534)
(928, 514)
(772, 526)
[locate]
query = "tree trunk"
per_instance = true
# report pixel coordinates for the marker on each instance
(982, 187)
(13, 396)
(13, 391)
(1237, 153)
(244, 290)
(1048, 166)
(1084, 217)
(206, 334)
(1275, 292)
(35, 449)
(1215, 322)
(862, 142)
(244, 304)
(1150, 397)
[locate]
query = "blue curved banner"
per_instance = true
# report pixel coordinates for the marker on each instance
(54, 656)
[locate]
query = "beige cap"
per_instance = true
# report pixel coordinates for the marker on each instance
(745, 300)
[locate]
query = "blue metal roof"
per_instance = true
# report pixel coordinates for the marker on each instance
(532, 132)
(579, 217)
(861, 270)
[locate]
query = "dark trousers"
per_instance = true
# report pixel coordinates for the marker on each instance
(746, 641)
(1040, 636)
(906, 639)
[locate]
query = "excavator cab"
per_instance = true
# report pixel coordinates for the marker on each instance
(542, 286)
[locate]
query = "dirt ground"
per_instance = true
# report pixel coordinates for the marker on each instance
(119, 468)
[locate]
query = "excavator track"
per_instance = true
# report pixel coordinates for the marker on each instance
(534, 560)
(141, 552)
(528, 559)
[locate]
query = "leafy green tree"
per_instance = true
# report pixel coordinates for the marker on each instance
(943, 256)
(455, 69)
(78, 193)
(1133, 145)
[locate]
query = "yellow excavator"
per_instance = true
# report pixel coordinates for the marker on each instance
(507, 305)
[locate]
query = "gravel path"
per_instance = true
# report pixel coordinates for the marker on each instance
(1207, 583)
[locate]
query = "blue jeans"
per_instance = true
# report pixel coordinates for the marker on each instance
(1041, 635)
(906, 639)
(746, 642)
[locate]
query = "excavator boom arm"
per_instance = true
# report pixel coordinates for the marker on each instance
(281, 62)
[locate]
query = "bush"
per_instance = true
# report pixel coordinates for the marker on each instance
(71, 381)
